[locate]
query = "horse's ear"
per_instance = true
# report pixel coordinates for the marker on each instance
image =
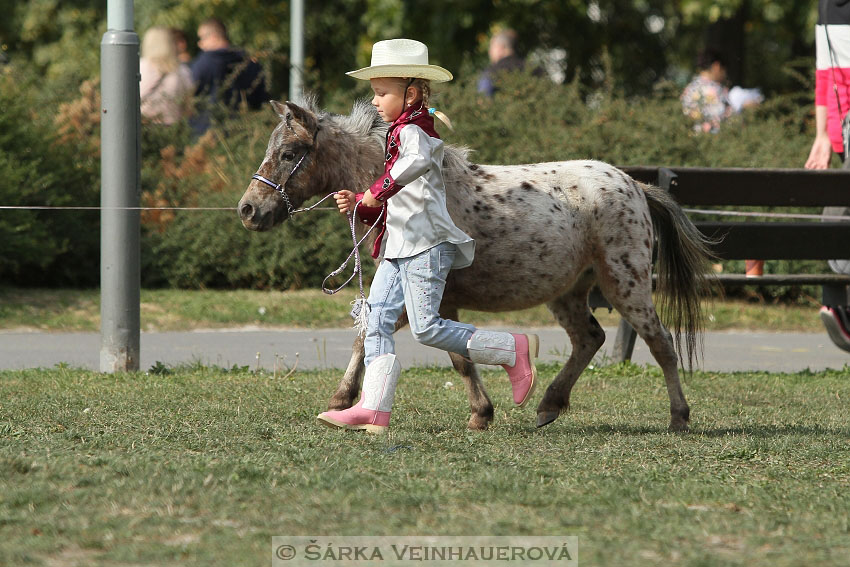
(295, 116)
(279, 109)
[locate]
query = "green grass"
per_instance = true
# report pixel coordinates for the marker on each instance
(201, 466)
(176, 310)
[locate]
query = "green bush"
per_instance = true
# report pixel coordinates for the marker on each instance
(211, 249)
(531, 120)
(44, 247)
(528, 120)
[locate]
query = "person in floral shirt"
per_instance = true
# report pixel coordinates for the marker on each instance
(706, 99)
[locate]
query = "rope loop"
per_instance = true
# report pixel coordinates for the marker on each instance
(355, 252)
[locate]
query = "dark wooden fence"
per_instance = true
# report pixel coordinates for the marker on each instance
(785, 239)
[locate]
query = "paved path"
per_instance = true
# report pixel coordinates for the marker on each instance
(726, 351)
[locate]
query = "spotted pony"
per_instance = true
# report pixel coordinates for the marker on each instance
(544, 233)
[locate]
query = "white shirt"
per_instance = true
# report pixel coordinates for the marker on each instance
(417, 217)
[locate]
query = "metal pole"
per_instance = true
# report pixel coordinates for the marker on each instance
(119, 187)
(296, 50)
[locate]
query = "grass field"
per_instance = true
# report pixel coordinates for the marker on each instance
(202, 466)
(177, 310)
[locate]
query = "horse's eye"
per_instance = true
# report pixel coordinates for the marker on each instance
(288, 156)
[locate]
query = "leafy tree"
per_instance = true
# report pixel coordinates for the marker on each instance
(762, 39)
(59, 39)
(643, 40)
(332, 34)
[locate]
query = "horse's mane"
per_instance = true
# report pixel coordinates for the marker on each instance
(455, 162)
(364, 122)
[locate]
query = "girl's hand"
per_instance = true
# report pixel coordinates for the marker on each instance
(369, 200)
(344, 201)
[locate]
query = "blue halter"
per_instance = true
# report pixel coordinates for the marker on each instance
(281, 189)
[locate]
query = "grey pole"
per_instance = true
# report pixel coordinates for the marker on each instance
(119, 188)
(296, 50)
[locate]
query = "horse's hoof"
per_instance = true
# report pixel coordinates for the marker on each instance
(679, 427)
(478, 423)
(546, 417)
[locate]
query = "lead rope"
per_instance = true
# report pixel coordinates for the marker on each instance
(359, 307)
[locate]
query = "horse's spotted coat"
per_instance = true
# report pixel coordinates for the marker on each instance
(545, 233)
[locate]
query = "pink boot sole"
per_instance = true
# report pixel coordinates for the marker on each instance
(533, 352)
(334, 424)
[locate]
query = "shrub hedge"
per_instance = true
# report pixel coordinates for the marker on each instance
(37, 168)
(528, 120)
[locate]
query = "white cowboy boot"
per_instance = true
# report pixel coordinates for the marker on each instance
(372, 412)
(514, 353)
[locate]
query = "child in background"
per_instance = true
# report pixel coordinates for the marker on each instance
(418, 241)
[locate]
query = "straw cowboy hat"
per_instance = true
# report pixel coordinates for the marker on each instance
(401, 58)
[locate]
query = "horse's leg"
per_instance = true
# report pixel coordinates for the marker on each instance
(629, 289)
(586, 336)
(479, 403)
(349, 386)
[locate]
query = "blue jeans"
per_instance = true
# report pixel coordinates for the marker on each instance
(416, 283)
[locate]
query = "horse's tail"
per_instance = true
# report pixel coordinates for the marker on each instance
(684, 262)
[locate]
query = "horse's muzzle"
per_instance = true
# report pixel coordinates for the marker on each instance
(246, 211)
(253, 218)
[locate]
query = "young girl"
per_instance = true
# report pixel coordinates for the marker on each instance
(418, 241)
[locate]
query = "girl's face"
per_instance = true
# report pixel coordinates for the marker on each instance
(389, 97)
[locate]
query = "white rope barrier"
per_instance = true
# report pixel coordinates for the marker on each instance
(766, 215)
(46, 208)
(233, 209)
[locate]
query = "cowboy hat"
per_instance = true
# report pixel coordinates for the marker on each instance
(401, 58)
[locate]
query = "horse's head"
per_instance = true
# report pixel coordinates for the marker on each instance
(283, 180)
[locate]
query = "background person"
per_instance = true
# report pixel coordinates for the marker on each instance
(166, 87)
(503, 59)
(182, 43)
(832, 81)
(832, 101)
(706, 99)
(224, 74)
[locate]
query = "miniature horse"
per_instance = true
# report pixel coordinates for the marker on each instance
(544, 233)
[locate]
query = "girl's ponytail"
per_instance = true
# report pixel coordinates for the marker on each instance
(443, 118)
(424, 87)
